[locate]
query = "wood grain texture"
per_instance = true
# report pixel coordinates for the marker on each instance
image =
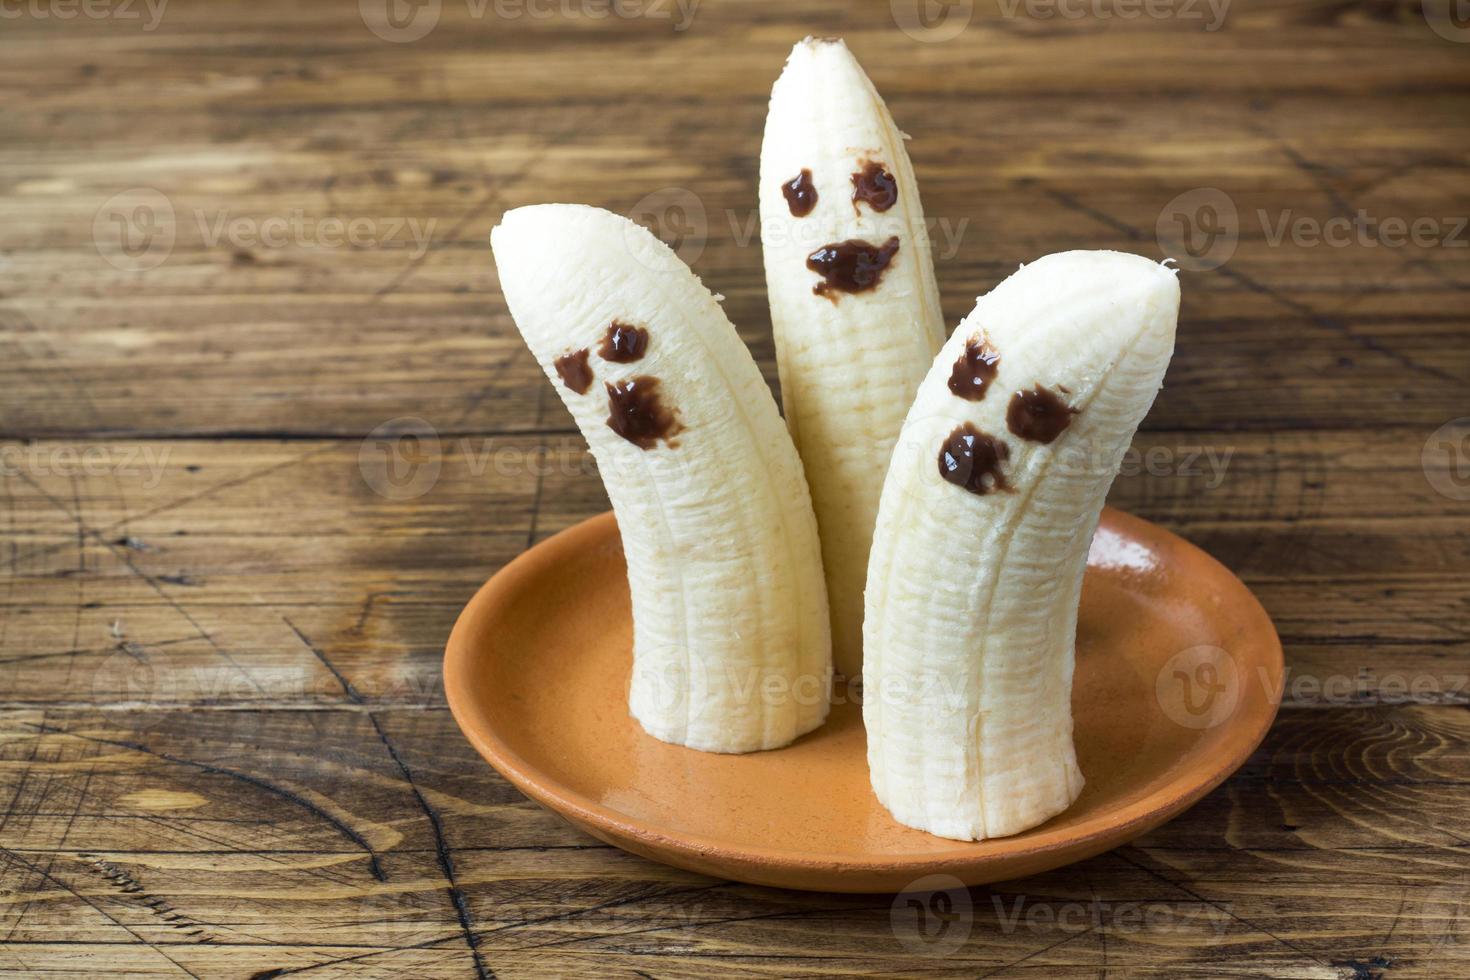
(224, 749)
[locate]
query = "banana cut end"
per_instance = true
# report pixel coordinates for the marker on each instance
(539, 227)
(1142, 290)
(828, 60)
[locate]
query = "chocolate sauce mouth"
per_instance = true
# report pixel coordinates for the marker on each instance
(972, 460)
(574, 371)
(637, 412)
(974, 369)
(853, 266)
(623, 344)
(1039, 415)
(875, 187)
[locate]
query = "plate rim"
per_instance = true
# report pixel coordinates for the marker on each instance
(1105, 831)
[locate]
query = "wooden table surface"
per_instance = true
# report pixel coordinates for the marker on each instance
(243, 252)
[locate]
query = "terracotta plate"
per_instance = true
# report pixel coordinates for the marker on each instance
(1178, 677)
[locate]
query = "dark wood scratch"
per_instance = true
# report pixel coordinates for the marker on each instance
(84, 899)
(1123, 853)
(214, 770)
(124, 555)
(442, 850)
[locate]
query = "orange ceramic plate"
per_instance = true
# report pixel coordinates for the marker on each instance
(1178, 677)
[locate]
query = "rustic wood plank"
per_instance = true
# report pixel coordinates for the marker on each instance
(210, 573)
(443, 138)
(1336, 842)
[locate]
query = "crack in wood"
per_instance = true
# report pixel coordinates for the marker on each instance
(374, 865)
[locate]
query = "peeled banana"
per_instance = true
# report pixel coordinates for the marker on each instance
(854, 305)
(986, 516)
(732, 648)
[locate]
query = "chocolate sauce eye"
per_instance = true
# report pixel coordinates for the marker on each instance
(575, 373)
(801, 194)
(623, 344)
(636, 411)
(875, 187)
(975, 369)
(1039, 414)
(853, 266)
(972, 460)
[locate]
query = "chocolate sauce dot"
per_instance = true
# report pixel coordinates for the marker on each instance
(801, 194)
(975, 369)
(636, 412)
(853, 266)
(875, 187)
(971, 459)
(623, 344)
(575, 373)
(1039, 414)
